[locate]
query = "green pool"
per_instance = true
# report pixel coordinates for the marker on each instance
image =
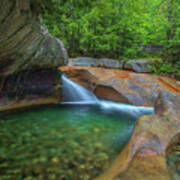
(61, 142)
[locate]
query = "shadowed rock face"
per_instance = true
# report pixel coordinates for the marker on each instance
(33, 87)
(34, 82)
(26, 47)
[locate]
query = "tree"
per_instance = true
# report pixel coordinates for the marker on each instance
(114, 28)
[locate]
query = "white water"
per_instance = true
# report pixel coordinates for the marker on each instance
(74, 94)
(136, 111)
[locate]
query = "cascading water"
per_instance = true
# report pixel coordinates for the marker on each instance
(77, 95)
(73, 92)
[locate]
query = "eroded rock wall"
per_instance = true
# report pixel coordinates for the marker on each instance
(24, 42)
(27, 88)
(26, 47)
(122, 86)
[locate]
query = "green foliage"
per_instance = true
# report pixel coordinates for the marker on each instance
(164, 69)
(116, 28)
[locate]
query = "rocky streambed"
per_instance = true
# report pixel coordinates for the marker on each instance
(61, 142)
(147, 153)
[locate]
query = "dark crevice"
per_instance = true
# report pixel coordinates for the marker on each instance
(4, 64)
(36, 82)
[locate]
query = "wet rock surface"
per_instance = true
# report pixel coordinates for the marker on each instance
(145, 156)
(122, 86)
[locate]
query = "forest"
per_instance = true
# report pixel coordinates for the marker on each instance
(119, 29)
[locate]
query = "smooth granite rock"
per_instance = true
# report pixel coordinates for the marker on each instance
(24, 41)
(122, 86)
(140, 66)
(145, 156)
(93, 62)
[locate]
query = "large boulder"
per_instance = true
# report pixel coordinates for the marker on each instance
(122, 86)
(140, 66)
(25, 42)
(82, 61)
(26, 45)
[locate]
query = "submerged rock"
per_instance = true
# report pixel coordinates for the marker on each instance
(87, 149)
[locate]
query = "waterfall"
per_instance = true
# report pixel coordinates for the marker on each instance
(109, 106)
(73, 92)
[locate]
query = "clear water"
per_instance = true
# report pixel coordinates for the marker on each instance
(61, 142)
